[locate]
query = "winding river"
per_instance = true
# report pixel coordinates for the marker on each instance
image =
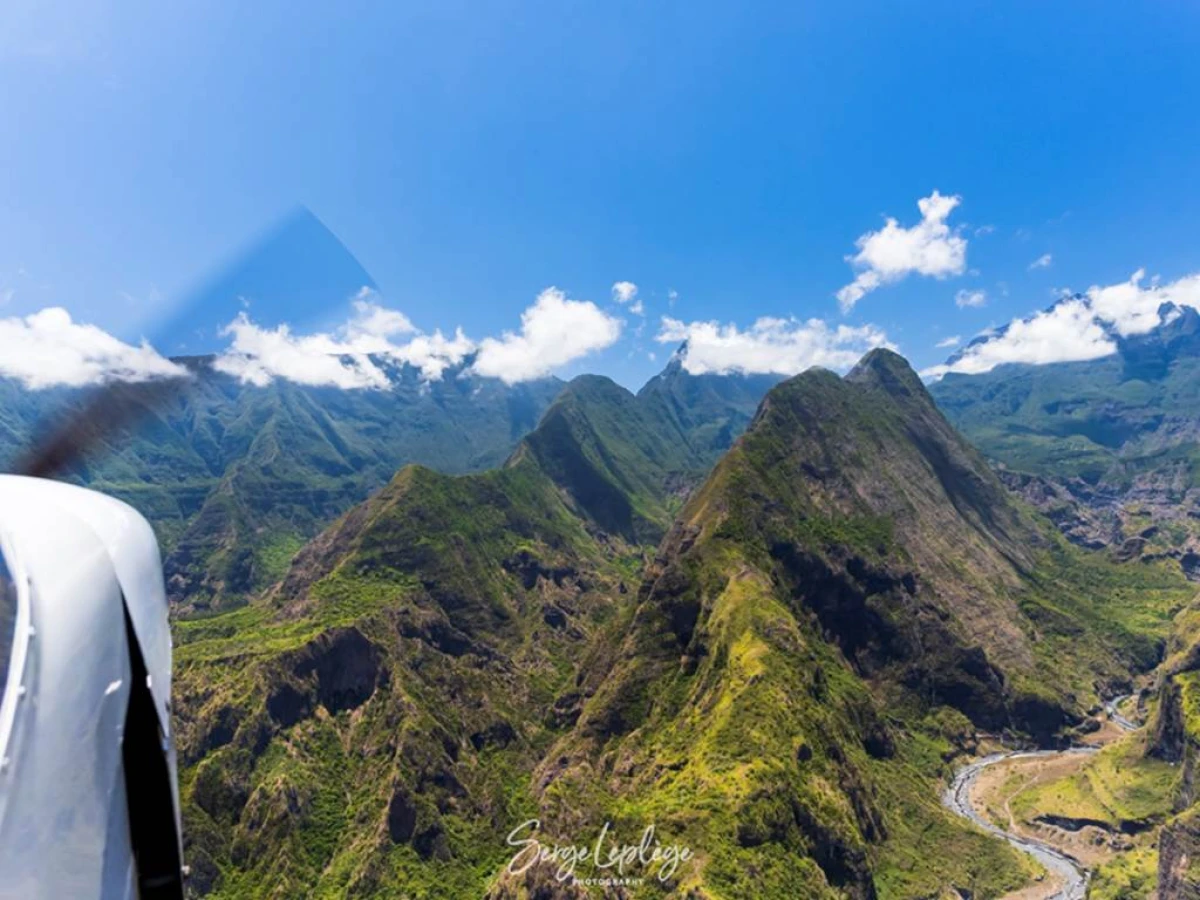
(957, 798)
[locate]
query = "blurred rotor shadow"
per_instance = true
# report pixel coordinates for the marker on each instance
(107, 412)
(297, 264)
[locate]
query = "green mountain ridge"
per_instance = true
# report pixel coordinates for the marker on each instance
(628, 460)
(779, 685)
(487, 588)
(235, 477)
(848, 588)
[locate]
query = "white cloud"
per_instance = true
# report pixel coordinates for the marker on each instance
(259, 355)
(1133, 309)
(965, 298)
(434, 353)
(1042, 262)
(48, 349)
(781, 346)
(672, 296)
(928, 248)
(1067, 332)
(952, 341)
(372, 319)
(1080, 327)
(346, 358)
(624, 291)
(554, 331)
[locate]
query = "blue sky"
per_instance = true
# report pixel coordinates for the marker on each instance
(472, 155)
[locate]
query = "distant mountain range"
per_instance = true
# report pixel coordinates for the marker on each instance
(1110, 448)
(236, 477)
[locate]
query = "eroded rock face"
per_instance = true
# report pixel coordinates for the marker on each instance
(339, 670)
(1168, 742)
(498, 734)
(411, 819)
(844, 864)
(1179, 840)
(221, 792)
(1190, 563)
(530, 570)
(868, 612)
(346, 667)
(401, 817)
(1111, 516)
(1086, 515)
(1179, 859)
(436, 631)
(287, 705)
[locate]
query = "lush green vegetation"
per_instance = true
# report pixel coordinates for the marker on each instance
(783, 685)
(236, 477)
(482, 594)
(1120, 787)
(1133, 875)
(1095, 620)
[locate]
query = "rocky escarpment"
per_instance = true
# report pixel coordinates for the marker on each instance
(1156, 517)
(1084, 514)
(1179, 858)
(1176, 739)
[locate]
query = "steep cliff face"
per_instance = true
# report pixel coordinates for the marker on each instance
(1179, 858)
(1175, 737)
(870, 515)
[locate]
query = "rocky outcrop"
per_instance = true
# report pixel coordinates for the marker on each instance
(1174, 739)
(1179, 859)
(338, 670)
(1086, 515)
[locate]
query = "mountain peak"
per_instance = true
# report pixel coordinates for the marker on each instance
(595, 384)
(889, 371)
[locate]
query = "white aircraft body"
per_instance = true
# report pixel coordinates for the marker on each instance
(89, 803)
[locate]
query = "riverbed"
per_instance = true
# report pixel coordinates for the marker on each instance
(1070, 875)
